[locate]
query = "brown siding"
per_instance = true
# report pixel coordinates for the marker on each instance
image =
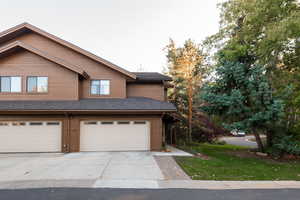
(74, 135)
(62, 83)
(156, 134)
(154, 91)
(93, 68)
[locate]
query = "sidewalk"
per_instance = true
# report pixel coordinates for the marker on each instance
(151, 184)
(227, 185)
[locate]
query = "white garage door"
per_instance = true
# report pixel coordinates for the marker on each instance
(30, 136)
(114, 135)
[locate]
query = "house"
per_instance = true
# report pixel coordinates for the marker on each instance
(57, 97)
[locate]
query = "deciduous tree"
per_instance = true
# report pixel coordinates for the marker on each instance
(187, 67)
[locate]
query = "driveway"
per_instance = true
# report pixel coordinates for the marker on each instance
(240, 141)
(100, 167)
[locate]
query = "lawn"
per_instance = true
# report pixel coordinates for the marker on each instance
(224, 164)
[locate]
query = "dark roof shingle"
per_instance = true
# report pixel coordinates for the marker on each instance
(151, 77)
(114, 104)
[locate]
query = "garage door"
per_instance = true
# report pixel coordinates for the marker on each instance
(114, 135)
(30, 136)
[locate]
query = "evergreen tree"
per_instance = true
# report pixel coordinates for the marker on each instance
(242, 95)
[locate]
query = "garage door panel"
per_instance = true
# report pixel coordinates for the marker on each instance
(41, 137)
(114, 137)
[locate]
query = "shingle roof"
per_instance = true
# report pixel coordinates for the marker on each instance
(113, 104)
(151, 77)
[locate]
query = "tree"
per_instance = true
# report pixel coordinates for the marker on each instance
(242, 95)
(269, 29)
(186, 66)
(265, 33)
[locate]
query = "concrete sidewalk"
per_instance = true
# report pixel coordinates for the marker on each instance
(229, 185)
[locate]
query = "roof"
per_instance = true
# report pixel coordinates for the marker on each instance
(107, 104)
(151, 77)
(17, 45)
(21, 28)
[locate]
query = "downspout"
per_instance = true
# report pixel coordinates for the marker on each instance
(163, 131)
(66, 145)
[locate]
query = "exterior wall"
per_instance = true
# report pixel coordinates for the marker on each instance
(62, 83)
(71, 127)
(150, 90)
(93, 68)
(117, 84)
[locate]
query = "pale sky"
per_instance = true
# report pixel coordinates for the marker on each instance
(129, 33)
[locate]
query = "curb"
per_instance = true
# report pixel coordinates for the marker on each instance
(229, 185)
(152, 184)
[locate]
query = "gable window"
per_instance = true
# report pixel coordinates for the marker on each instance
(100, 87)
(37, 84)
(10, 84)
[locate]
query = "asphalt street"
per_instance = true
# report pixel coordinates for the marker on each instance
(141, 194)
(240, 141)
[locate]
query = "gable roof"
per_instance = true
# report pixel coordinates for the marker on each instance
(17, 45)
(151, 77)
(25, 27)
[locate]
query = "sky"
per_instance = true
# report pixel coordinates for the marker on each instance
(129, 33)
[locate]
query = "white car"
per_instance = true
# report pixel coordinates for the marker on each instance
(238, 133)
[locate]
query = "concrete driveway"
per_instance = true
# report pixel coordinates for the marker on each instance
(99, 167)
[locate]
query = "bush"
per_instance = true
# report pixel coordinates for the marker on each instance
(218, 142)
(285, 145)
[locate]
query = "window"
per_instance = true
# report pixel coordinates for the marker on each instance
(90, 123)
(19, 124)
(3, 123)
(107, 122)
(53, 123)
(37, 84)
(100, 87)
(139, 122)
(123, 122)
(36, 123)
(10, 84)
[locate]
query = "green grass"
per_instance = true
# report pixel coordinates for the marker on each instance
(225, 166)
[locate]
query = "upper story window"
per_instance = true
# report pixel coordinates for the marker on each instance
(10, 84)
(100, 87)
(37, 84)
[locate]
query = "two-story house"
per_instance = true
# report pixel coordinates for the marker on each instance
(57, 97)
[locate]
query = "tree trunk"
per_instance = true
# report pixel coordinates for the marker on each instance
(190, 115)
(175, 136)
(258, 141)
(269, 138)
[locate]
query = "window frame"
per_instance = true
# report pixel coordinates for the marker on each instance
(99, 94)
(37, 86)
(10, 84)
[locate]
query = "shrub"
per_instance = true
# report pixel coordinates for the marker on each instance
(287, 144)
(218, 142)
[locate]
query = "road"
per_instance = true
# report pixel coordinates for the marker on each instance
(134, 194)
(241, 141)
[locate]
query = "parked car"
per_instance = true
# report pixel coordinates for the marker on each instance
(238, 133)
